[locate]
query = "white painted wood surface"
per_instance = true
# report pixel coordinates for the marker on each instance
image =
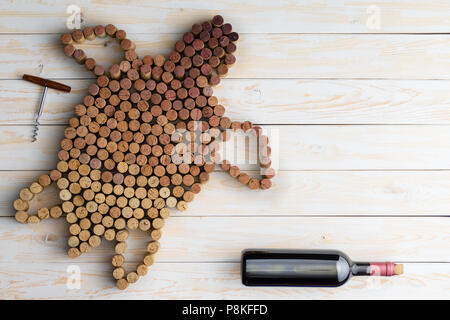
(280, 101)
(221, 238)
(273, 56)
(362, 113)
(255, 16)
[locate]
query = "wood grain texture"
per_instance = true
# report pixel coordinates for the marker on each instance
(258, 56)
(362, 114)
(221, 239)
(348, 193)
(270, 101)
(188, 281)
(297, 147)
(266, 16)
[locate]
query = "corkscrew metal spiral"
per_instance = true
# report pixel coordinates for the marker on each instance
(38, 115)
(46, 84)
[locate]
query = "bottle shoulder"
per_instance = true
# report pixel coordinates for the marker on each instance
(343, 268)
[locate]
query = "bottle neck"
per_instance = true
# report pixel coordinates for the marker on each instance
(383, 269)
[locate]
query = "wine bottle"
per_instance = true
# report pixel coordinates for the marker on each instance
(315, 268)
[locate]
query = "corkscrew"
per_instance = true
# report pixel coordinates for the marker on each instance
(46, 84)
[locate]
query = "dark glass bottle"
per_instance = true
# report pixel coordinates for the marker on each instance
(327, 268)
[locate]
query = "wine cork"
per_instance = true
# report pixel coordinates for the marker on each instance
(223, 40)
(100, 31)
(69, 50)
(110, 234)
(127, 45)
(88, 33)
(148, 260)
(130, 55)
(44, 180)
(84, 235)
(118, 273)
(110, 30)
(204, 177)
(94, 241)
(20, 205)
(217, 21)
(268, 173)
(132, 277)
(196, 188)
(66, 38)
(99, 229)
(73, 241)
(73, 252)
(79, 56)
(266, 184)
(153, 247)
(122, 235)
(84, 247)
(74, 229)
(114, 71)
(55, 212)
(227, 28)
(118, 260)
(120, 247)
(122, 284)
(234, 171)
(71, 217)
(157, 223)
(21, 216)
(156, 234)
(222, 69)
(253, 183)
(36, 188)
(144, 224)
(43, 213)
(165, 212)
(33, 219)
(217, 33)
(78, 36)
(243, 178)
(119, 224)
(182, 205)
(141, 269)
(25, 194)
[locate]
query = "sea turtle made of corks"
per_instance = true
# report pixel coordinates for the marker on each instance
(144, 139)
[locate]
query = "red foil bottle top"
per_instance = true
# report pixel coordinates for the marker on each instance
(386, 269)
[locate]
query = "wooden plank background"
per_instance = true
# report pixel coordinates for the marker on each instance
(358, 92)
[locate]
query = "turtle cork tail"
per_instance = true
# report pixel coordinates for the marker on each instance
(118, 260)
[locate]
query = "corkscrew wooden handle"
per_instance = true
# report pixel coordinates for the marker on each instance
(46, 83)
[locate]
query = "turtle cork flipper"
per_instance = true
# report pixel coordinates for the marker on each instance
(21, 205)
(263, 155)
